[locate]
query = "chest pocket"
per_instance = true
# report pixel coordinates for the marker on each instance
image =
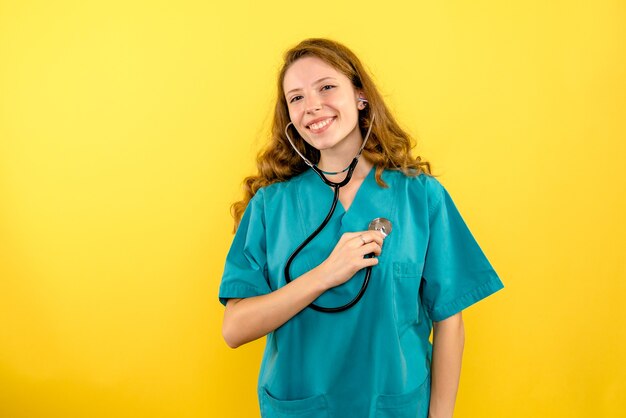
(406, 284)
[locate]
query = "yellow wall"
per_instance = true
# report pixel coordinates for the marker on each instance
(127, 126)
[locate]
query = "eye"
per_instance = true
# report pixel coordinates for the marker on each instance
(328, 87)
(295, 99)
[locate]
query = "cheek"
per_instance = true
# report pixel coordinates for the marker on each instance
(291, 113)
(294, 118)
(347, 106)
(295, 113)
(295, 109)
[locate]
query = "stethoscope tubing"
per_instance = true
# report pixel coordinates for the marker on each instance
(368, 272)
(336, 186)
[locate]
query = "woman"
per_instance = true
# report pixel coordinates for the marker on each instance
(374, 358)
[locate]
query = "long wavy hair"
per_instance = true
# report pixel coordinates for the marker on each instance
(388, 147)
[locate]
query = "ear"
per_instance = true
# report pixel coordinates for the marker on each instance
(361, 101)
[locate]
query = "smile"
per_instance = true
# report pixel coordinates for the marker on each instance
(320, 125)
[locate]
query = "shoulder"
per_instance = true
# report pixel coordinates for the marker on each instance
(423, 187)
(276, 192)
(422, 180)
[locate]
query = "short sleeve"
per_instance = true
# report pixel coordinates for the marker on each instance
(456, 272)
(245, 270)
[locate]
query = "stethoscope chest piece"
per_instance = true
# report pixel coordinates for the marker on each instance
(380, 224)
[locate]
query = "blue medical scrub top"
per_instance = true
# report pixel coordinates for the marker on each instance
(372, 360)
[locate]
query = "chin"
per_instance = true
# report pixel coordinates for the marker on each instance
(324, 145)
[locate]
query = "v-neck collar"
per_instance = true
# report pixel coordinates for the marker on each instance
(341, 210)
(313, 199)
(364, 184)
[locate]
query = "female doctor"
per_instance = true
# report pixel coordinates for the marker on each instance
(373, 357)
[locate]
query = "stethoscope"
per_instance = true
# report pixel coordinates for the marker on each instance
(379, 224)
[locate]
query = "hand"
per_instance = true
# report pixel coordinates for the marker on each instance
(348, 256)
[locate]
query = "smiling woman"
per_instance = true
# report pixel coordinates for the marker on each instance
(371, 358)
(323, 110)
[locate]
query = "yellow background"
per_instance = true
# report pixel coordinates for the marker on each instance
(126, 128)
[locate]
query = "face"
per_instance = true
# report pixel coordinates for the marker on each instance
(322, 105)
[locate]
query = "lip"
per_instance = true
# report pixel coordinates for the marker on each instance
(311, 122)
(330, 119)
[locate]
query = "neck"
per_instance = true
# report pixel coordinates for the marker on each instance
(338, 159)
(340, 156)
(361, 170)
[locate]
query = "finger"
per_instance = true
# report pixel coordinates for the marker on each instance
(376, 236)
(358, 240)
(369, 262)
(369, 237)
(348, 236)
(372, 247)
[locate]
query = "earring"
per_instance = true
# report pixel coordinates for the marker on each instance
(362, 103)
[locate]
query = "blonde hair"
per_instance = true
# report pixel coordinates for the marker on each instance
(388, 147)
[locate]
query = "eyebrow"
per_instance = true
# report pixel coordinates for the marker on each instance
(315, 82)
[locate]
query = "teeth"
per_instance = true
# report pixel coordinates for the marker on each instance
(320, 125)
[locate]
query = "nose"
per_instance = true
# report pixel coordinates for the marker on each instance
(312, 104)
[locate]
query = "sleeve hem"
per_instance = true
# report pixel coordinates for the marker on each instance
(465, 301)
(238, 292)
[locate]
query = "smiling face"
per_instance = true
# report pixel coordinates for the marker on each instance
(322, 104)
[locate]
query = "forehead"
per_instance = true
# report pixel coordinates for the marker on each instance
(307, 70)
